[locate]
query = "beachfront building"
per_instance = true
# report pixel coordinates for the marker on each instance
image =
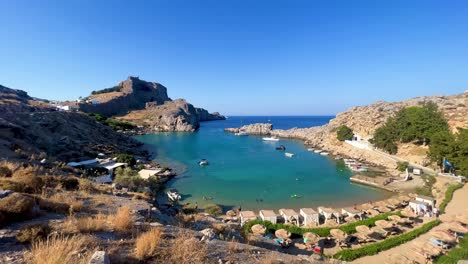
(309, 216)
(290, 216)
(419, 207)
(426, 199)
(351, 212)
(146, 173)
(246, 216)
(268, 215)
(329, 213)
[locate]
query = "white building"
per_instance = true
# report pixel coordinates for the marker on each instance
(268, 215)
(309, 215)
(426, 199)
(290, 216)
(246, 216)
(419, 206)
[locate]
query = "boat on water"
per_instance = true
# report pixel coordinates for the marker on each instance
(310, 149)
(317, 150)
(241, 133)
(281, 147)
(289, 155)
(203, 162)
(324, 153)
(173, 195)
(295, 196)
(270, 139)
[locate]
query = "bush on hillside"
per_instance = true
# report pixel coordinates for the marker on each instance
(108, 90)
(214, 209)
(70, 184)
(16, 207)
(344, 133)
(453, 147)
(126, 158)
(32, 233)
(5, 172)
(128, 178)
(402, 166)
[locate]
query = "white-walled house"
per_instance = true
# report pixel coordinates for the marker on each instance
(426, 199)
(246, 216)
(268, 215)
(309, 215)
(290, 216)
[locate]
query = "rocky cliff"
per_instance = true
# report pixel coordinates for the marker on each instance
(147, 104)
(172, 116)
(27, 127)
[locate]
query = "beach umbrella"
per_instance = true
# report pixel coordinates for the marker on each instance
(398, 258)
(383, 209)
(384, 224)
(441, 235)
(258, 229)
(282, 233)
(457, 227)
(363, 229)
(394, 218)
(408, 213)
(338, 234)
(231, 213)
(462, 219)
(378, 230)
(403, 198)
(311, 238)
(380, 203)
(394, 202)
(373, 212)
(350, 219)
(412, 195)
(365, 206)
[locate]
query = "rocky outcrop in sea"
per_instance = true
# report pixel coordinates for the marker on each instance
(253, 129)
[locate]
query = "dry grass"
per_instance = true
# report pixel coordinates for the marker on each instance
(123, 219)
(186, 249)
(63, 202)
(270, 259)
(147, 244)
(219, 227)
(234, 247)
(89, 224)
(100, 200)
(59, 250)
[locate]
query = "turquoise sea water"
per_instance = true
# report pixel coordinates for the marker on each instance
(246, 171)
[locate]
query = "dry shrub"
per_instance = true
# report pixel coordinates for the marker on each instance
(86, 186)
(16, 207)
(61, 249)
(32, 233)
(186, 249)
(271, 259)
(147, 244)
(233, 246)
(99, 200)
(86, 224)
(63, 202)
(219, 227)
(123, 219)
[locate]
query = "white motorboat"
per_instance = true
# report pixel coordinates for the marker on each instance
(317, 150)
(203, 162)
(289, 155)
(310, 149)
(173, 195)
(324, 153)
(241, 133)
(270, 139)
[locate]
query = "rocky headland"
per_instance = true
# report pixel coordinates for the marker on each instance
(364, 120)
(147, 105)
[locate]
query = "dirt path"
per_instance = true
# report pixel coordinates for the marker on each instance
(456, 206)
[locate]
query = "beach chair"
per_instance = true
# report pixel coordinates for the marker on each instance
(438, 243)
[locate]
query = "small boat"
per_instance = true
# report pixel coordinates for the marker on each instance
(295, 196)
(289, 155)
(317, 150)
(270, 139)
(281, 147)
(203, 162)
(241, 133)
(173, 195)
(324, 153)
(310, 149)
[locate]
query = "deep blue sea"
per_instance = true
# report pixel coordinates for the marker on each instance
(246, 171)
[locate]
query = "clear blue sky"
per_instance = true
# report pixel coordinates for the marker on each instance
(239, 57)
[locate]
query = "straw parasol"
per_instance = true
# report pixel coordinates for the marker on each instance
(282, 233)
(383, 209)
(350, 219)
(311, 238)
(462, 219)
(380, 203)
(427, 248)
(408, 213)
(338, 234)
(394, 202)
(443, 236)
(365, 230)
(382, 232)
(384, 224)
(403, 198)
(373, 212)
(394, 218)
(398, 258)
(365, 206)
(457, 227)
(258, 229)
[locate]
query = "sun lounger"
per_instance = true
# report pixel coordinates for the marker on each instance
(438, 243)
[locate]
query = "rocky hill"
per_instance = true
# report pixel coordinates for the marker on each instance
(147, 104)
(27, 127)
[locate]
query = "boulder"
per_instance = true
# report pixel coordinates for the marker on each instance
(99, 257)
(208, 234)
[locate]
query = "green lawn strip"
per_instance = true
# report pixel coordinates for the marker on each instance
(456, 254)
(352, 254)
(448, 196)
(321, 231)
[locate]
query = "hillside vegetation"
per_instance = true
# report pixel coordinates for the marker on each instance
(425, 125)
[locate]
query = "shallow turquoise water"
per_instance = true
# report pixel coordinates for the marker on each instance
(249, 172)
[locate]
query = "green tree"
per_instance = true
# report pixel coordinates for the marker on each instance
(126, 158)
(401, 166)
(128, 178)
(344, 133)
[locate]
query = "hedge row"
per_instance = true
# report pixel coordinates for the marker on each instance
(448, 196)
(321, 231)
(352, 254)
(455, 254)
